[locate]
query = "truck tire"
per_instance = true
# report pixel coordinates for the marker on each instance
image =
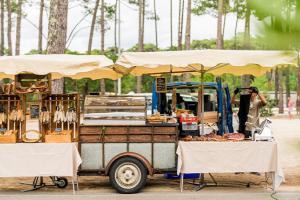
(128, 175)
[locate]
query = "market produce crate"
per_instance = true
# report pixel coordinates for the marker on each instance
(61, 137)
(8, 138)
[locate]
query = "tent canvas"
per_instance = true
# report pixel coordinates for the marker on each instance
(59, 65)
(217, 62)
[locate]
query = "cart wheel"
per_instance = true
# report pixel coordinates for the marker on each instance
(128, 175)
(61, 182)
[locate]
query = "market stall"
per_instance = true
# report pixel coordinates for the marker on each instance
(40, 128)
(230, 157)
(217, 62)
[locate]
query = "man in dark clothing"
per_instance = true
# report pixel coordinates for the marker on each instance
(254, 105)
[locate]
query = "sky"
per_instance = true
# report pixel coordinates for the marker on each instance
(203, 27)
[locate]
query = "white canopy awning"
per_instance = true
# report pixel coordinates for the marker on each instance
(237, 62)
(59, 65)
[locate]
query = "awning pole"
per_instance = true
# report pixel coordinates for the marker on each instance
(202, 99)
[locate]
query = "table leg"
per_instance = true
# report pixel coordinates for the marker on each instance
(181, 182)
(77, 186)
(273, 181)
(73, 185)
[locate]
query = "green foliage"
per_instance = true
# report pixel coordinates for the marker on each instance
(202, 7)
(266, 111)
(147, 48)
(281, 22)
(35, 51)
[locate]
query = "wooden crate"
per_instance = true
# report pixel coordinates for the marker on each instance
(63, 137)
(8, 138)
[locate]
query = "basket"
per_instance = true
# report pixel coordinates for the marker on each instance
(8, 138)
(59, 137)
(26, 137)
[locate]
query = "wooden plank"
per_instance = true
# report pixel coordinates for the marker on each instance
(116, 130)
(94, 130)
(165, 130)
(139, 138)
(90, 138)
(140, 130)
(164, 138)
(115, 138)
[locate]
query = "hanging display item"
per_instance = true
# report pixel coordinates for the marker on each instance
(12, 118)
(63, 122)
(44, 117)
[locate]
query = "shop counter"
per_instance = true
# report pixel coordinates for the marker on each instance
(229, 157)
(39, 160)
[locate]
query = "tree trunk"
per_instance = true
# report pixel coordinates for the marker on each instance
(298, 70)
(298, 81)
(102, 86)
(90, 43)
(102, 26)
(276, 85)
(179, 33)
(247, 26)
(155, 23)
(141, 25)
(2, 29)
(287, 85)
(171, 24)
(219, 25)
(188, 25)
(237, 4)
(9, 24)
(40, 35)
(57, 86)
(115, 26)
(280, 102)
(224, 25)
(180, 23)
(57, 33)
(141, 39)
(116, 87)
(57, 27)
(18, 28)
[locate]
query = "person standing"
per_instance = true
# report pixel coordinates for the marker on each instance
(290, 107)
(254, 106)
(298, 105)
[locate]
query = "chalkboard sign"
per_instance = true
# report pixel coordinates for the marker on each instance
(161, 85)
(34, 111)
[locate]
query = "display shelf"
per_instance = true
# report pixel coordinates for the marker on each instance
(60, 130)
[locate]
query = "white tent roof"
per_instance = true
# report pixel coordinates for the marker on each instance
(237, 62)
(75, 66)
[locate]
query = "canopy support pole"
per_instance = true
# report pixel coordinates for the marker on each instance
(202, 99)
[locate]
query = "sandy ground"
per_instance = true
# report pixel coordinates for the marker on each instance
(286, 132)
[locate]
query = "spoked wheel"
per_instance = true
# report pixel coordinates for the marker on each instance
(61, 182)
(128, 175)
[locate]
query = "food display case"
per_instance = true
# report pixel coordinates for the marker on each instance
(115, 110)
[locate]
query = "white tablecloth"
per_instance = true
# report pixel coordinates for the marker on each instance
(39, 159)
(229, 157)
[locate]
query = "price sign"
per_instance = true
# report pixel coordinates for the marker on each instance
(161, 85)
